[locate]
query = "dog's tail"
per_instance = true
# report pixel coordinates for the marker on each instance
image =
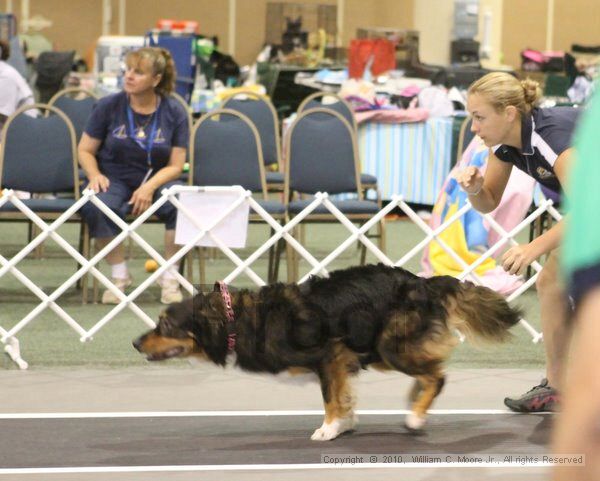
(480, 313)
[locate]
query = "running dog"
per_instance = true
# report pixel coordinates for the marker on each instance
(378, 316)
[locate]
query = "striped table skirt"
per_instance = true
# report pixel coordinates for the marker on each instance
(411, 159)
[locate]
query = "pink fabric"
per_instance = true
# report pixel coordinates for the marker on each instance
(410, 91)
(393, 116)
(513, 207)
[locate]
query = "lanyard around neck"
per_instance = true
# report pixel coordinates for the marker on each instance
(147, 145)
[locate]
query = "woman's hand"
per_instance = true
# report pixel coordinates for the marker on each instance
(516, 259)
(142, 198)
(471, 180)
(99, 183)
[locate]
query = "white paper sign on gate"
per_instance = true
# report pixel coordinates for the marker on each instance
(207, 207)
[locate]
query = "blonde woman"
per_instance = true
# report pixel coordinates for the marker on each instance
(537, 141)
(135, 143)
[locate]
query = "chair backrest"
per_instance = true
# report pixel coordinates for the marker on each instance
(464, 137)
(225, 149)
(186, 106)
(261, 112)
(38, 154)
(324, 100)
(77, 104)
(321, 153)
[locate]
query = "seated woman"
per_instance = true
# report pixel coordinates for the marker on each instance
(134, 144)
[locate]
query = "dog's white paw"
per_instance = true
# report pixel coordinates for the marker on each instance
(332, 430)
(414, 422)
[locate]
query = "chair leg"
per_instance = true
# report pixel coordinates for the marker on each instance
(29, 231)
(86, 253)
(95, 286)
(363, 250)
(38, 252)
(381, 235)
(290, 258)
(271, 263)
(278, 249)
(190, 265)
(202, 264)
(80, 249)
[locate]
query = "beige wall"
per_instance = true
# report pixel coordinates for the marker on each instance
(375, 13)
(251, 15)
(575, 21)
(523, 26)
(517, 24)
(434, 20)
(211, 15)
(493, 8)
(75, 27)
(251, 25)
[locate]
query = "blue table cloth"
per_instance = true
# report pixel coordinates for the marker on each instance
(411, 159)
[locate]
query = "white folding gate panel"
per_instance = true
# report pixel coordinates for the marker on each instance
(8, 337)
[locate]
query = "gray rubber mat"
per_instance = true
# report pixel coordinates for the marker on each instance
(162, 441)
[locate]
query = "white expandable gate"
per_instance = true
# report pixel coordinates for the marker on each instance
(8, 337)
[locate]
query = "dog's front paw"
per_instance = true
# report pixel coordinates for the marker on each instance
(332, 430)
(413, 422)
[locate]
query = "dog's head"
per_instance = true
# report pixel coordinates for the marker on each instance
(194, 327)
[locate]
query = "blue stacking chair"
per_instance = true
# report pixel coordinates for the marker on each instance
(321, 153)
(225, 149)
(39, 155)
(262, 113)
(341, 106)
(77, 104)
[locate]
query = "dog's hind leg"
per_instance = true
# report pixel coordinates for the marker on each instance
(414, 392)
(431, 386)
(336, 385)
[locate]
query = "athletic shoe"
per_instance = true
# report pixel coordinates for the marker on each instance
(170, 292)
(109, 297)
(538, 399)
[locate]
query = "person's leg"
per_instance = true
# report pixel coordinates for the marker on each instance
(170, 247)
(170, 290)
(115, 256)
(578, 428)
(553, 310)
(104, 231)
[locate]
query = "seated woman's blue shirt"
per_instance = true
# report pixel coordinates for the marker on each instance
(123, 152)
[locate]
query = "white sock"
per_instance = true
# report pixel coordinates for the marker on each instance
(119, 271)
(170, 273)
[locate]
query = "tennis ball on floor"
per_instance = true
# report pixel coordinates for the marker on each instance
(151, 265)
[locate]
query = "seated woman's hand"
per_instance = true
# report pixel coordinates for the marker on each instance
(99, 183)
(142, 198)
(470, 179)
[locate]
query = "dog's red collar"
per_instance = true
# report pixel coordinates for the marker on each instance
(222, 287)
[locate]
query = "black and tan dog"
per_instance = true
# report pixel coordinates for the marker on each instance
(374, 315)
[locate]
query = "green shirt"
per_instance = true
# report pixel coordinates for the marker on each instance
(581, 247)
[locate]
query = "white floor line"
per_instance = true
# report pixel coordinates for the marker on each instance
(264, 467)
(183, 414)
